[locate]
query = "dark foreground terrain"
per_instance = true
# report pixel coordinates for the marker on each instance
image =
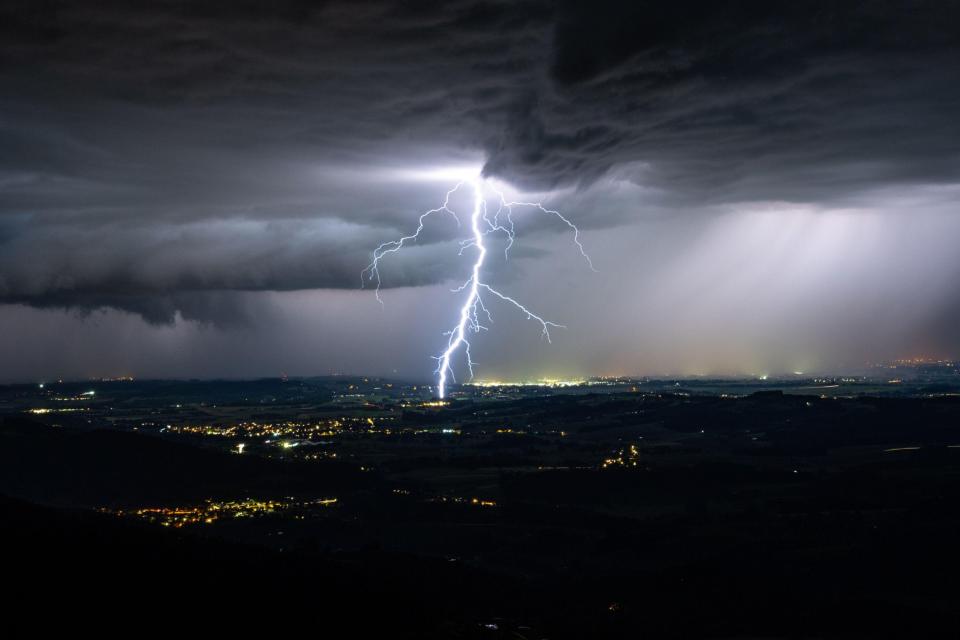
(574, 515)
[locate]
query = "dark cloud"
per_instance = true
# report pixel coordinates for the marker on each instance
(160, 157)
(746, 100)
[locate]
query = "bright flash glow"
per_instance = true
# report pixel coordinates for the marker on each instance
(447, 174)
(543, 382)
(482, 223)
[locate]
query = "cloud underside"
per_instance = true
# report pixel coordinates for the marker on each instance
(157, 159)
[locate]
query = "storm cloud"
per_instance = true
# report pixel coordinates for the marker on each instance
(167, 158)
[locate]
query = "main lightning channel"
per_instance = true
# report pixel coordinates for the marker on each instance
(481, 224)
(468, 311)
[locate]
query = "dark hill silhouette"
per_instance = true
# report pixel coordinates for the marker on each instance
(108, 468)
(100, 570)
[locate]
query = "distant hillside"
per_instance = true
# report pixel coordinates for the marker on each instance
(107, 468)
(93, 571)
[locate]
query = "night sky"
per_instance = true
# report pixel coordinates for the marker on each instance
(193, 189)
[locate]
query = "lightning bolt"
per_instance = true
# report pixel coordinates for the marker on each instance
(482, 224)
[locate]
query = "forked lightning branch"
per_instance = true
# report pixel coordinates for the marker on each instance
(474, 312)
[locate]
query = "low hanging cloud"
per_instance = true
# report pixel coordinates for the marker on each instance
(165, 159)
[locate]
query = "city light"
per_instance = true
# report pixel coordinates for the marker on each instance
(211, 510)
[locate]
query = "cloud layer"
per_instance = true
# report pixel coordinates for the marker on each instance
(165, 158)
